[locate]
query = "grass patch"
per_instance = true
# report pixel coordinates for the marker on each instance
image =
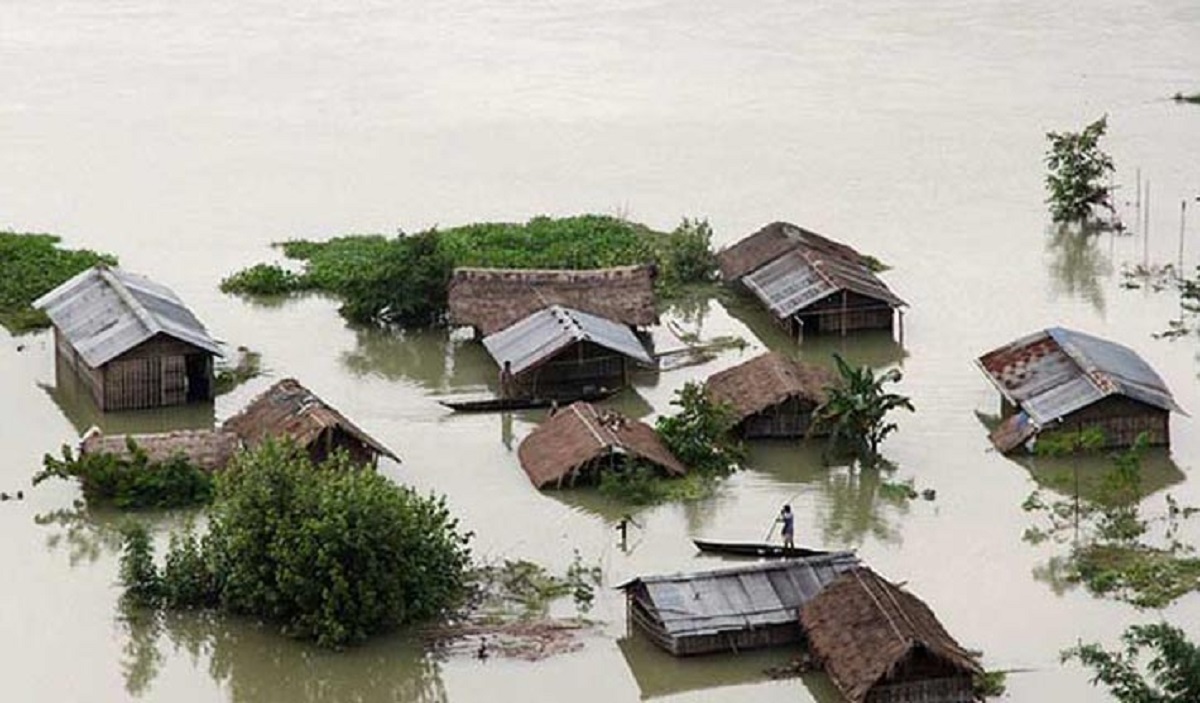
(1137, 574)
(32, 265)
(403, 279)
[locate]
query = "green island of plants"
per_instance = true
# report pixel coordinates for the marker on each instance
(403, 279)
(131, 482)
(32, 265)
(1194, 98)
(332, 553)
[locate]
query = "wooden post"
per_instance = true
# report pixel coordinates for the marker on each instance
(1146, 230)
(843, 313)
(1182, 227)
(900, 312)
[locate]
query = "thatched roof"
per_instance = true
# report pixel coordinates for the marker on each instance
(288, 410)
(580, 433)
(862, 626)
(210, 450)
(772, 242)
(767, 380)
(492, 299)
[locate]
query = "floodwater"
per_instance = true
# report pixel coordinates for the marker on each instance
(185, 137)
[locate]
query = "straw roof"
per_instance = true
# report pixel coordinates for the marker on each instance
(767, 380)
(288, 410)
(772, 242)
(580, 433)
(862, 627)
(493, 299)
(210, 450)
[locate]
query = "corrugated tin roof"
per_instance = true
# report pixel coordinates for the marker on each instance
(1056, 371)
(547, 332)
(806, 275)
(767, 593)
(104, 312)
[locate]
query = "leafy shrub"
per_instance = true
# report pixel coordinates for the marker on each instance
(686, 255)
(32, 265)
(263, 279)
(332, 553)
(1078, 170)
(699, 434)
(131, 482)
(1172, 674)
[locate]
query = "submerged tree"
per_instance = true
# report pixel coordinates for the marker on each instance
(855, 410)
(1078, 171)
(1172, 673)
(699, 434)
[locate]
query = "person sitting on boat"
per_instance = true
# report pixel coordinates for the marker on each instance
(789, 527)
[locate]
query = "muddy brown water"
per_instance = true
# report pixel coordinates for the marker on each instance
(185, 137)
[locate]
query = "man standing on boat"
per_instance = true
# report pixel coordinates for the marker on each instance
(789, 527)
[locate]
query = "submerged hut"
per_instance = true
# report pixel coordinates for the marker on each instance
(771, 395)
(491, 300)
(580, 440)
(561, 352)
(1062, 380)
(289, 411)
(881, 644)
(210, 450)
(131, 341)
(745, 607)
(810, 284)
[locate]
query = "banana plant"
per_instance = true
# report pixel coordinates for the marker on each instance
(855, 411)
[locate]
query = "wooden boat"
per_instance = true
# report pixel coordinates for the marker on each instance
(493, 405)
(755, 549)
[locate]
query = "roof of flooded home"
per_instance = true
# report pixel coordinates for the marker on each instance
(581, 433)
(1056, 371)
(106, 311)
(545, 333)
(494, 299)
(768, 380)
(210, 450)
(765, 593)
(862, 625)
(789, 268)
(288, 410)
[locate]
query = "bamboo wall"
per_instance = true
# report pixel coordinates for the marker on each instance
(573, 370)
(790, 418)
(957, 689)
(1122, 420)
(152, 374)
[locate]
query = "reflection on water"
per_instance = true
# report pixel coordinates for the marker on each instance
(851, 505)
(88, 533)
(875, 348)
(1077, 266)
(256, 664)
(659, 674)
(432, 358)
(72, 397)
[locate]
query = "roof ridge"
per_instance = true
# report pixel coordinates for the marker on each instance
(587, 423)
(858, 577)
(135, 306)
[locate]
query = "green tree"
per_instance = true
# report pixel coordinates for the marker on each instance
(1172, 673)
(699, 434)
(407, 285)
(855, 410)
(333, 553)
(1078, 168)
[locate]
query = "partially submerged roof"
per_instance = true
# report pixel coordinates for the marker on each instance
(210, 450)
(104, 312)
(543, 334)
(803, 277)
(775, 240)
(493, 299)
(862, 626)
(580, 433)
(768, 380)
(765, 593)
(1054, 372)
(288, 410)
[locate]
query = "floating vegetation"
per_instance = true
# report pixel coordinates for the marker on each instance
(403, 279)
(246, 366)
(132, 481)
(1155, 277)
(1194, 98)
(32, 265)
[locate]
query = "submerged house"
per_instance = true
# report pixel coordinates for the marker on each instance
(1063, 380)
(771, 395)
(490, 300)
(810, 284)
(881, 644)
(131, 341)
(560, 352)
(210, 450)
(745, 607)
(289, 411)
(580, 440)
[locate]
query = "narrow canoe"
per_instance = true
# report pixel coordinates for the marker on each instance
(755, 549)
(491, 405)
